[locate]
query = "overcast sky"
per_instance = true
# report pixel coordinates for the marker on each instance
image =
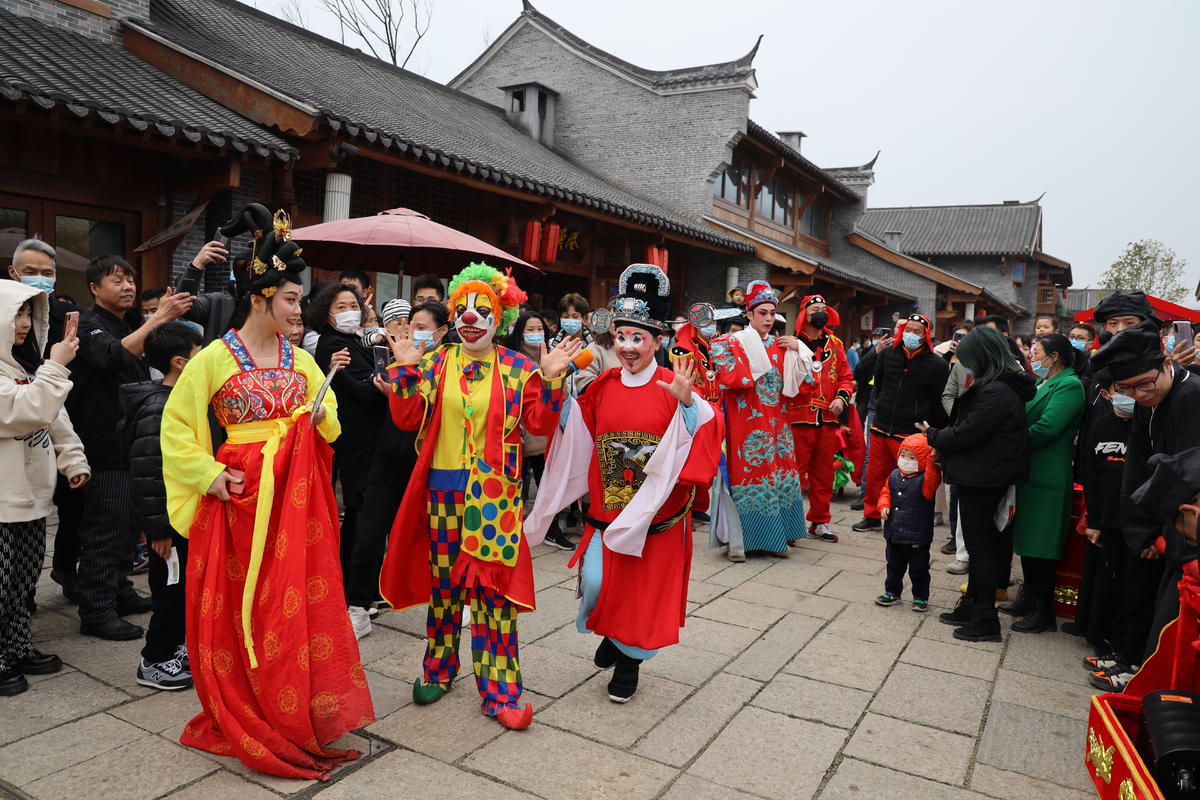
(1094, 103)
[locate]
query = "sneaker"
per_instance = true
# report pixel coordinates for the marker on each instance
(958, 567)
(181, 653)
(867, 524)
(1114, 679)
(887, 599)
(1100, 663)
(920, 606)
(169, 675)
(360, 621)
(141, 558)
(857, 505)
(949, 548)
(821, 531)
(560, 540)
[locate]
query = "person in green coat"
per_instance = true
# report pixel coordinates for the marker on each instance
(1044, 503)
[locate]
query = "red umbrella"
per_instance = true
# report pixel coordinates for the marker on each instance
(396, 240)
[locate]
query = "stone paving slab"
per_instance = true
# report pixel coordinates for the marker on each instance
(788, 682)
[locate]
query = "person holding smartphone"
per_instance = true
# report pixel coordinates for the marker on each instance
(336, 314)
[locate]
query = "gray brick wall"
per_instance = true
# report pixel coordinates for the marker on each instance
(666, 148)
(996, 277)
(706, 274)
(215, 278)
(76, 20)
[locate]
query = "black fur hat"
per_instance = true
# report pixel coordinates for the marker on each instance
(273, 257)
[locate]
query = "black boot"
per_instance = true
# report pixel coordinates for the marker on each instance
(1040, 618)
(1024, 604)
(983, 627)
(625, 679)
(607, 654)
(961, 614)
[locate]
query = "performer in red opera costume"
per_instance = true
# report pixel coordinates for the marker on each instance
(458, 535)
(695, 344)
(275, 662)
(641, 443)
(814, 412)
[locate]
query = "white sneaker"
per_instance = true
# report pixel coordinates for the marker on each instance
(360, 620)
(958, 568)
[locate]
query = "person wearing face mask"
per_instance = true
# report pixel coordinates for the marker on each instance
(1044, 501)
(572, 316)
(394, 460)
(906, 505)
(814, 413)
(458, 536)
(641, 443)
(908, 382)
(695, 344)
(1117, 588)
(335, 313)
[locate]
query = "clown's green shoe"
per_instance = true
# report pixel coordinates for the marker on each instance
(426, 693)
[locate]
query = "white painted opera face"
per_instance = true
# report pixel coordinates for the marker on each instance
(762, 318)
(476, 320)
(635, 347)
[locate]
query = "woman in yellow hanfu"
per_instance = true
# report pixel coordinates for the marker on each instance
(276, 664)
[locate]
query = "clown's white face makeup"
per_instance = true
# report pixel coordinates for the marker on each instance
(635, 347)
(475, 321)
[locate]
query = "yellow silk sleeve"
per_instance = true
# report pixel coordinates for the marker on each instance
(330, 427)
(187, 454)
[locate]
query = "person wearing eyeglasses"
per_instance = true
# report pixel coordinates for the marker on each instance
(1165, 422)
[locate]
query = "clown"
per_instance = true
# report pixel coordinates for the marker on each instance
(814, 412)
(757, 371)
(640, 443)
(457, 536)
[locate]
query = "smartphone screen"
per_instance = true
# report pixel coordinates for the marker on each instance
(71, 325)
(1183, 332)
(238, 484)
(958, 336)
(383, 357)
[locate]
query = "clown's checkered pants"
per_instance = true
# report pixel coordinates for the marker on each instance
(493, 616)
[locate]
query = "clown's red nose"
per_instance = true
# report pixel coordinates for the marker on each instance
(469, 317)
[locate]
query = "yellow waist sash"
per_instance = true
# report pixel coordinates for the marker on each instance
(271, 433)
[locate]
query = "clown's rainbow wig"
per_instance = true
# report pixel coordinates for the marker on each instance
(499, 287)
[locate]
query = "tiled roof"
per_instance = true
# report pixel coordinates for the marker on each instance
(726, 72)
(54, 68)
(369, 99)
(832, 269)
(791, 154)
(1008, 228)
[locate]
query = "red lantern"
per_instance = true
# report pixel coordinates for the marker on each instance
(531, 245)
(550, 242)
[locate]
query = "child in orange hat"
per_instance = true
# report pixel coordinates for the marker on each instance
(906, 506)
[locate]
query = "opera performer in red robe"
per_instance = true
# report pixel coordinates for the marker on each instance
(640, 443)
(458, 534)
(274, 659)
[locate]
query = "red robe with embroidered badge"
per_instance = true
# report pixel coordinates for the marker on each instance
(643, 600)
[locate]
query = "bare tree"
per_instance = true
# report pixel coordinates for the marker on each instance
(384, 25)
(295, 12)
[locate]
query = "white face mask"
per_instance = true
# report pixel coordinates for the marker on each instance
(908, 466)
(347, 321)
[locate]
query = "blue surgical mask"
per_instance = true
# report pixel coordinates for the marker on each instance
(1170, 340)
(1079, 344)
(570, 326)
(1124, 403)
(39, 282)
(708, 331)
(535, 338)
(912, 341)
(1039, 369)
(425, 337)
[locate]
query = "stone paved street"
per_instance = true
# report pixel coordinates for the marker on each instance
(788, 683)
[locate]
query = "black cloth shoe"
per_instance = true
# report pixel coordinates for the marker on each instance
(624, 681)
(133, 603)
(38, 663)
(983, 627)
(606, 654)
(700, 516)
(961, 614)
(12, 682)
(115, 630)
(1024, 604)
(949, 548)
(70, 587)
(857, 505)
(867, 524)
(1039, 619)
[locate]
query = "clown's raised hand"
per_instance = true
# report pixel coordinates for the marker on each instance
(681, 386)
(403, 347)
(555, 361)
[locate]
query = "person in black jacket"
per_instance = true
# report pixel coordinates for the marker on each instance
(908, 382)
(336, 314)
(985, 450)
(168, 349)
